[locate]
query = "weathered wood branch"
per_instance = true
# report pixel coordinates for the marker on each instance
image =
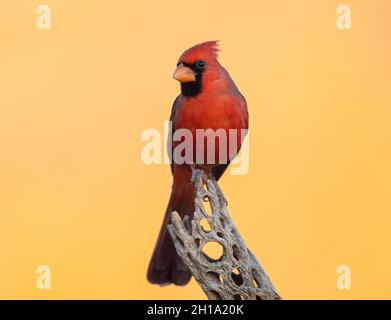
(237, 273)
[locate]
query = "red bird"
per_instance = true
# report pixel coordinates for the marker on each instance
(209, 99)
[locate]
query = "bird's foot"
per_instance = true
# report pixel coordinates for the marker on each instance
(198, 177)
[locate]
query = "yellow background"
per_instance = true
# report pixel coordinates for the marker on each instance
(74, 101)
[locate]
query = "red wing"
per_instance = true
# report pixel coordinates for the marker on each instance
(171, 131)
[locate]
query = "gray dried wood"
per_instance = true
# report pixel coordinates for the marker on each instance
(237, 273)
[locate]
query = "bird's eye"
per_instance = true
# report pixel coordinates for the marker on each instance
(200, 64)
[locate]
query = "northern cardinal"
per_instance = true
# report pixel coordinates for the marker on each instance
(209, 99)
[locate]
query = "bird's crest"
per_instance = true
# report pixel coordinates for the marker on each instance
(205, 50)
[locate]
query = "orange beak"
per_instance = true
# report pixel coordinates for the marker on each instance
(184, 74)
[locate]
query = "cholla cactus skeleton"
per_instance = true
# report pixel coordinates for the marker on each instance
(236, 274)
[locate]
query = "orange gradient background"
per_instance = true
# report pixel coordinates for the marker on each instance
(74, 101)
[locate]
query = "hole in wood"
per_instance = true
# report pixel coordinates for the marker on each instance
(214, 277)
(234, 233)
(238, 297)
(213, 251)
(205, 225)
(236, 253)
(187, 224)
(197, 242)
(206, 205)
(214, 295)
(237, 276)
(256, 278)
(222, 222)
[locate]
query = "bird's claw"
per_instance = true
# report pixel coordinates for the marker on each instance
(197, 176)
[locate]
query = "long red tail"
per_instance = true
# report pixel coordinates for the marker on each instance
(166, 266)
